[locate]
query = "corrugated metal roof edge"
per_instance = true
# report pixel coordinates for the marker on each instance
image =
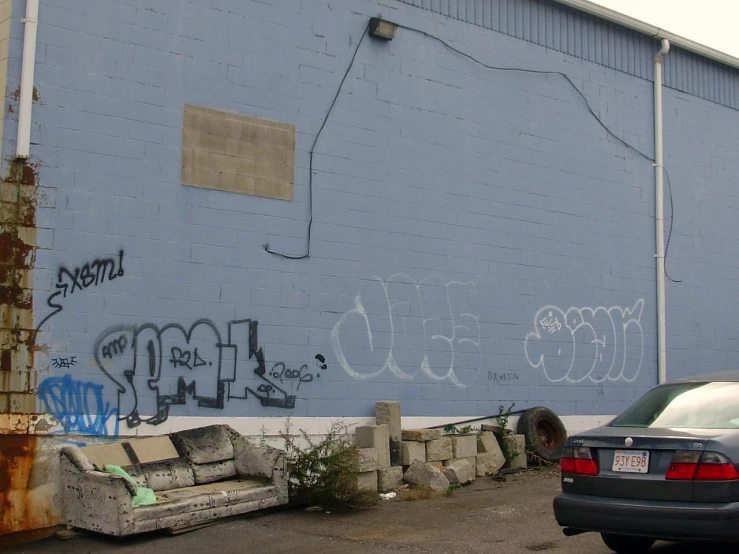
(650, 30)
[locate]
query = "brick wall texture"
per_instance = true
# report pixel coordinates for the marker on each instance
(477, 238)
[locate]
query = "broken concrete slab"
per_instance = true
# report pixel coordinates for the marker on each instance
(472, 460)
(421, 474)
(489, 464)
(464, 446)
(367, 481)
(460, 471)
(487, 443)
(367, 459)
(389, 478)
(420, 434)
(388, 413)
(412, 450)
(494, 428)
(518, 461)
(375, 436)
(439, 449)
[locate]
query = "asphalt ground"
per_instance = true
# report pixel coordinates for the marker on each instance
(512, 517)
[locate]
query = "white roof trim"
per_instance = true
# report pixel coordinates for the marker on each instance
(650, 30)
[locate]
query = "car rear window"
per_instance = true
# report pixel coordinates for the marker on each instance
(685, 405)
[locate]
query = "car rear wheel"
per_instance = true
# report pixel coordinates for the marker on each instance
(627, 545)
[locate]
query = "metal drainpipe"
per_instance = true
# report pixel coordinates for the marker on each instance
(23, 144)
(659, 212)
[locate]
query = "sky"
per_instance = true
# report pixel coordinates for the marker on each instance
(709, 22)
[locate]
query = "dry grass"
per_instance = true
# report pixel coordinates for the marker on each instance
(417, 493)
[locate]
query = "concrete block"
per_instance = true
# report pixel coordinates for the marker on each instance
(423, 474)
(472, 460)
(519, 460)
(439, 449)
(367, 459)
(460, 471)
(420, 434)
(375, 436)
(464, 446)
(489, 464)
(412, 450)
(388, 413)
(367, 480)
(492, 428)
(389, 478)
(487, 443)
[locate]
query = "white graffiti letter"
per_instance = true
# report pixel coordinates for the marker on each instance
(598, 344)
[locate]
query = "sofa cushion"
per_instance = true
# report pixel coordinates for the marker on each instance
(169, 474)
(203, 497)
(254, 461)
(215, 471)
(204, 444)
(137, 475)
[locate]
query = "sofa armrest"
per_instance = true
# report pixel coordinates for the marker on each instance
(96, 501)
(259, 461)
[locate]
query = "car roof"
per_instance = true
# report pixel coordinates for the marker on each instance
(724, 376)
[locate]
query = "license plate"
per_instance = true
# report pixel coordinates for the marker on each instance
(631, 461)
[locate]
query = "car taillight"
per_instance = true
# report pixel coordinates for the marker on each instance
(683, 466)
(578, 461)
(697, 466)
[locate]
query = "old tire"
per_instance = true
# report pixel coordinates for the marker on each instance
(545, 434)
(627, 545)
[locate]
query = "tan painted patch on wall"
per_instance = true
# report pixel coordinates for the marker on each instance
(231, 152)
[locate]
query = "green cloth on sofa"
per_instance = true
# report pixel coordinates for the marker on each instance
(144, 496)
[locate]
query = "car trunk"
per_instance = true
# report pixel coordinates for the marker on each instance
(661, 445)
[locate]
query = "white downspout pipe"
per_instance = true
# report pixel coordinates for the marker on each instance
(659, 212)
(23, 144)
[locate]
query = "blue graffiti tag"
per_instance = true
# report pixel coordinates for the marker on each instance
(77, 405)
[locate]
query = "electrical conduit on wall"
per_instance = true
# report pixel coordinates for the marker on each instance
(659, 212)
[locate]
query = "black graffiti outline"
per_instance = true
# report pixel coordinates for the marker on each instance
(64, 362)
(183, 358)
(113, 342)
(502, 377)
(154, 359)
(291, 375)
(84, 273)
(257, 352)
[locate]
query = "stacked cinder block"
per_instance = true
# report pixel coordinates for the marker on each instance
(389, 454)
(390, 476)
(375, 472)
(429, 445)
(459, 457)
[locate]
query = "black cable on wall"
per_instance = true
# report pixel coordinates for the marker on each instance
(493, 68)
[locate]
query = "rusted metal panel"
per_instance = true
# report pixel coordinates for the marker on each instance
(25, 502)
(16, 463)
(17, 257)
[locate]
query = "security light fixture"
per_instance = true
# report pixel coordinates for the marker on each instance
(381, 29)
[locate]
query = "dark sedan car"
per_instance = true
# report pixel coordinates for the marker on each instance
(666, 468)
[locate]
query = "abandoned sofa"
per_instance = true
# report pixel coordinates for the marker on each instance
(198, 475)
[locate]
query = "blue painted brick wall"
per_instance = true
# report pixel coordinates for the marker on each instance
(478, 239)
